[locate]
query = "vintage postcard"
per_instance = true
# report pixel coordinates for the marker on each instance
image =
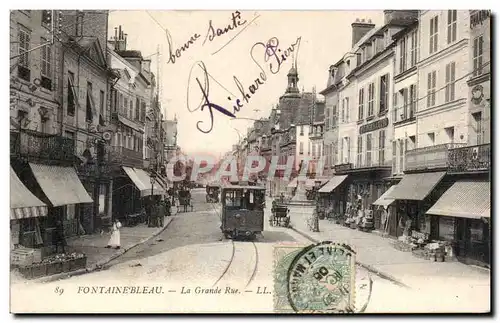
(239, 161)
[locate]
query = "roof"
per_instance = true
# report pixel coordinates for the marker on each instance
(130, 53)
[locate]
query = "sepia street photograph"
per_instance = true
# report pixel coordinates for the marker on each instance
(250, 161)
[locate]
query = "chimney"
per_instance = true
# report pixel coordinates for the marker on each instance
(359, 29)
(120, 41)
(115, 42)
(402, 17)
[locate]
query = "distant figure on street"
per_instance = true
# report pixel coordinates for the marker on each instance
(114, 241)
(59, 238)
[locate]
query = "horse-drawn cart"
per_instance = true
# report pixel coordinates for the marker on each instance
(280, 215)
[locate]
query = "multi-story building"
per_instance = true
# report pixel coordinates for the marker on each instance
(331, 129)
(131, 100)
(59, 99)
(444, 192)
(317, 152)
(362, 83)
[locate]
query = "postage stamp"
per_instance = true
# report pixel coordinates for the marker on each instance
(319, 278)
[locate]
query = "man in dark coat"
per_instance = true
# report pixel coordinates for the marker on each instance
(59, 239)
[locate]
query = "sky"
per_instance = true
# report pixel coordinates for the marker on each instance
(324, 38)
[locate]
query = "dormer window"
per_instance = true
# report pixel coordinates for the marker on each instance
(374, 46)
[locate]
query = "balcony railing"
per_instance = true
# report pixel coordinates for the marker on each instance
(125, 157)
(478, 16)
(429, 157)
(470, 159)
(31, 144)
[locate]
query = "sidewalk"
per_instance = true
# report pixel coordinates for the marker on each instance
(377, 254)
(94, 247)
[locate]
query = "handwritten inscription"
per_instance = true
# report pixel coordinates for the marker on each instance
(174, 55)
(273, 58)
(213, 32)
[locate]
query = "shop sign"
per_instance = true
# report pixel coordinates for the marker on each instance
(375, 125)
(342, 167)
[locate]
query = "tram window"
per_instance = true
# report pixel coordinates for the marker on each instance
(250, 198)
(233, 199)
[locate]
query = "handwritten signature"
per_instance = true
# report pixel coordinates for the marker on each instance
(273, 56)
(212, 33)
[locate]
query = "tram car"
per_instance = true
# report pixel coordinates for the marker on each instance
(242, 210)
(213, 192)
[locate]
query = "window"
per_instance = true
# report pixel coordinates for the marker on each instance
(477, 58)
(384, 92)
(395, 110)
(137, 109)
(346, 109)
(335, 153)
(327, 119)
(402, 57)
(342, 116)
(450, 132)
(348, 144)
(404, 115)
(46, 66)
(432, 138)
(394, 159)
(450, 82)
(452, 26)
(359, 155)
(478, 127)
(413, 48)
(368, 150)
(314, 150)
(301, 130)
(341, 150)
(361, 104)
(90, 104)
(125, 107)
(431, 89)
(79, 24)
(301, 148)
(101, 102)
(401, 155)
(24, 46)
(381, 147)
(319, 150)
(44, 125)
(334, 116)
(371, 98)
(433, 39)
(131, 109)
(143, 111)
(71, 94)
(413, 100)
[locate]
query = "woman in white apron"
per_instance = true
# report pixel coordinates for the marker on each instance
(114, 241)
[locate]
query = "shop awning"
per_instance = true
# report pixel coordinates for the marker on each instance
(416, 186)
(23, 203)
(131, 173)
(146, 180)
(384, 200)
(60, 184)
(464, 199)
(332, 183)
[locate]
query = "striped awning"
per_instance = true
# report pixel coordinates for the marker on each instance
(332, 183)
(60, 184)
(384, 200)
(464, 199)
(23, 203)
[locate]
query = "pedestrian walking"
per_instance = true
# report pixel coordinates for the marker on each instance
(59, 237)
(114, 241)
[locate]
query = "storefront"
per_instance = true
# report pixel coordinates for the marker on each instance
(25, 211)
(463, 217)
(385, 211)
(65, 194)
(333, 195)
(129, 188)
